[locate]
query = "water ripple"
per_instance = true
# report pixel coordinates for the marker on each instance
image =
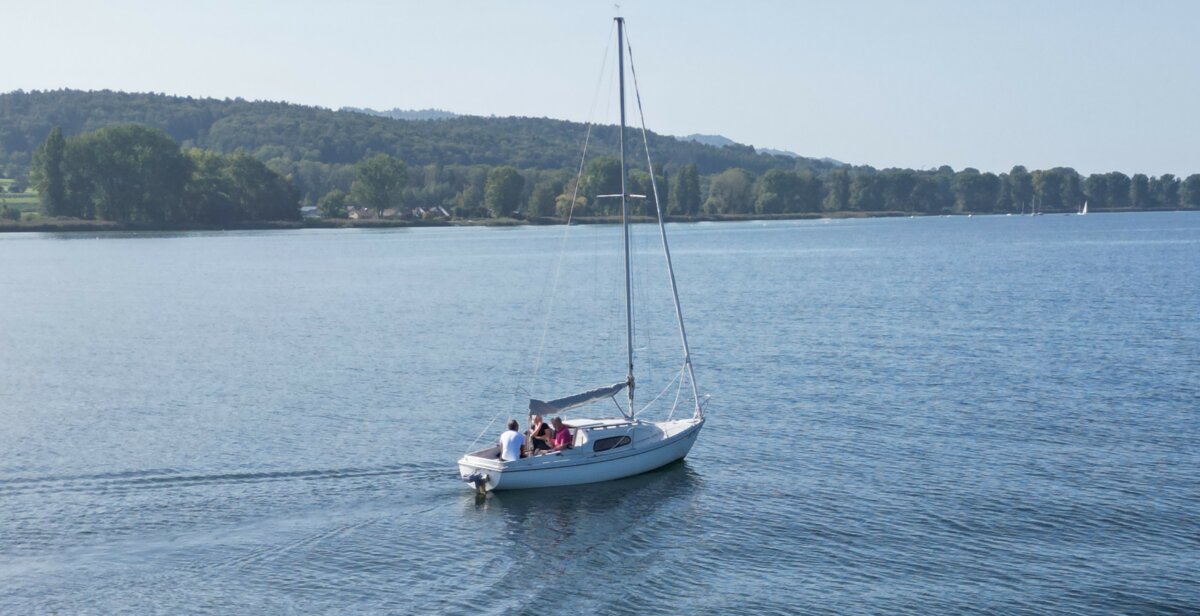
(932, 416)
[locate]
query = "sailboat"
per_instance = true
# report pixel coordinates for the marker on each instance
(1083, 209)
(606, 447)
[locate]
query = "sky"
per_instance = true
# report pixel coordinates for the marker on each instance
(1098, 86)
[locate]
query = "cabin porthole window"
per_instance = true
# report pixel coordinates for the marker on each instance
(611, 442)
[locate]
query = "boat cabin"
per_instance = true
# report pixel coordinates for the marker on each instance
(588, 437)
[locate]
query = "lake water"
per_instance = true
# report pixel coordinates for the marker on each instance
(909, 416)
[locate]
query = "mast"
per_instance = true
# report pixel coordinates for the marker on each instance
(625, 216)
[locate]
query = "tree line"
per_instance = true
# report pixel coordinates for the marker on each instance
(137, 174)
(506, 191)
(219, 150)
(133, 173)
(943, 191)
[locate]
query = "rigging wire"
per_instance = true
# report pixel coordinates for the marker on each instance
(645, 331)
(537, 362)
(687, 356)
(549, 299)
(677, 378)
(683, 372)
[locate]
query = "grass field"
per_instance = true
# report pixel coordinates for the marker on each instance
(25, 201)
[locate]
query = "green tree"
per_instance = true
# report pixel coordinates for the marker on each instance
(227, 189)
(468, 201)
(1166, 191)
(1190, 192)
(602, 176)
(809, 196)
(639, 183)
(1095, 187)
(898, 185)
(942, 190)
(333, 204)
(645, 185)
(379, 183)
(925, 196)
(837, 193)
(777, 191)
(502, 193)
(78, 178)
(1004, 200)
(1116, 190)
(208, 196)
(731, 191)
(262, 194)
(1053, 186)
(48, 174)
(1072, 190)
(684, 196)
(570, 201)
(989, 191)
(866, 191)
(1020, 187)
(1120, 188)
(1139, 191)
(127, 173)
(541, 200)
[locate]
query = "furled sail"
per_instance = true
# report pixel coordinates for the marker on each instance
(562, 405)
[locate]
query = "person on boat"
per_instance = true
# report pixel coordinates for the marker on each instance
(511, 442)
(540, 436)
(562, 436)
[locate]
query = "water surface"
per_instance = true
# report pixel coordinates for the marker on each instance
(909, 416)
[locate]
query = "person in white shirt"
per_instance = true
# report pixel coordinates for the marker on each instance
(511, 442)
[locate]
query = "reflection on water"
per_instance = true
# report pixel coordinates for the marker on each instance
(556, 520)
(569, 503)
(570, 537)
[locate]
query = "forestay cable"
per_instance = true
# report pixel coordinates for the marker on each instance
(687, 354)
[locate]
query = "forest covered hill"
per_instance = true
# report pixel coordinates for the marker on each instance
(312, 143)
(474, 166)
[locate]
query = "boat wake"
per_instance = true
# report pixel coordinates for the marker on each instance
(153, 479)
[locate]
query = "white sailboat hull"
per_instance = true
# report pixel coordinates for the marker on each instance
(655, 444)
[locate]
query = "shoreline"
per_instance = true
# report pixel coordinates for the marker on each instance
(76, 225)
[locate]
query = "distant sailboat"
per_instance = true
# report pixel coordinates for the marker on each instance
(1083, 210)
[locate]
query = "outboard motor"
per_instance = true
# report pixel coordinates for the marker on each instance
(479, 480)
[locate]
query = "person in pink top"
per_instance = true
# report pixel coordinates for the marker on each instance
(562, 436)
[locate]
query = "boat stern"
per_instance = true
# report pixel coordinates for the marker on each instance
(481, 474)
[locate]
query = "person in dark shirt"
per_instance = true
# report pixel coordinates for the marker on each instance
(540, 435)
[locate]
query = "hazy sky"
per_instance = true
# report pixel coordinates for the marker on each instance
(1094, 85)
